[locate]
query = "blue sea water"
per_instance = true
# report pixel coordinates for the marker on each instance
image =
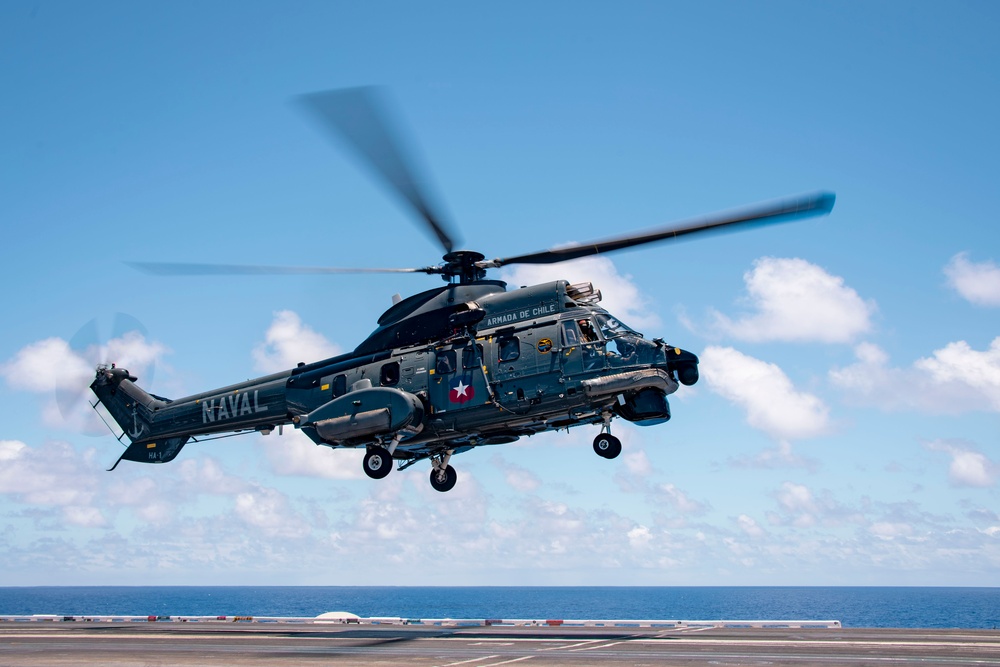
(854, 607)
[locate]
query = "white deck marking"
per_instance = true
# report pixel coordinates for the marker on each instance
(463, 662)
(507, 662)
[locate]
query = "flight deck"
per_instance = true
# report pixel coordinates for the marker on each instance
(42, 641)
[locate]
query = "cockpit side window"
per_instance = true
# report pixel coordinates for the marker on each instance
(612, 327)
(569, 333)
(587, 332)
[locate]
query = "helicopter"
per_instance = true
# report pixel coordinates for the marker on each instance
(463, 365)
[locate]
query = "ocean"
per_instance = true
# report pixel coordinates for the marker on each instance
(888, 607)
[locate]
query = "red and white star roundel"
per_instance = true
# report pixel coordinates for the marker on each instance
(461, 389)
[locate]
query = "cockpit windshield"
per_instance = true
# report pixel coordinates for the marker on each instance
(611, 327)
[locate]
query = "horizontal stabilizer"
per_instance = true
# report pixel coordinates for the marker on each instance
(159, 451)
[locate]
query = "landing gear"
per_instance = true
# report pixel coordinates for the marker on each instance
(444, 479)
(443, 476)
(607, 445)
(378, 462)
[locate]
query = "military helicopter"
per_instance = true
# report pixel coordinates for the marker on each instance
(463, 365)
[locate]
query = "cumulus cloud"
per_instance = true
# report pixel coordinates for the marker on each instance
(771, 401)
(288, 341)
(35, 367)
(271, 512)
(620, 294)
(293, 453)
(781, 456)
(954, 379)
(518, 477)
(959, 363)
(976, 282)
(794, 300)
(51, 366)
(680, 500)
(51, 476)
(968, 467)
(748, 525)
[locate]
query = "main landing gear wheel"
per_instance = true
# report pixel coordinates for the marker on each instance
(443, 480)
(607, 445)
(378, 462)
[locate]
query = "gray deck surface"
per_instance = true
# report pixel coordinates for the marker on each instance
(103, 643)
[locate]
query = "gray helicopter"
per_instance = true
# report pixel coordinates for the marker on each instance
(463, 365)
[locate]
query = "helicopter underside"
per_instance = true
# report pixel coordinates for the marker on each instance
(637, 395)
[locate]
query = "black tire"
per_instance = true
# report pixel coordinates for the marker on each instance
(378, 462)
(607, 445)
(446, 484)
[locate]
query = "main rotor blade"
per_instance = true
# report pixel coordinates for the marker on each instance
(184, 269)
(762, 214)
(357, 117)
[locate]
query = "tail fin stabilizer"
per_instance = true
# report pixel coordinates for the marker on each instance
(159, 451)
(133, 409)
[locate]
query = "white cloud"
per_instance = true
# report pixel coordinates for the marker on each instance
(54, 475)
(293, 453)
(781, 456)
(793, 300)
(968, 466)
(796, 500)
(887, 530)
(270, 511)
(35, 367)
(954, 379)
(287, 342)
(959, 363)
(771, 401)
(679, 500)
(620, 295)
(518, 477)
(638, 463)
(749, 526)
(52, 367)
(639, 537)
(976, 282)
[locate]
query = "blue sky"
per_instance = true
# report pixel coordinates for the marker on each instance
(845, 430)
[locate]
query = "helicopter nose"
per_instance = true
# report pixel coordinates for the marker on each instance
(684, 363)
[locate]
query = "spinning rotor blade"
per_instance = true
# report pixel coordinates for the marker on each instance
(95, 344)
(185, 269)
(763, 214)
(357, 117)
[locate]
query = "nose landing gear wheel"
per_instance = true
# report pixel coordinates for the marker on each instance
(607, 445)
(378, 462)
(443, 480)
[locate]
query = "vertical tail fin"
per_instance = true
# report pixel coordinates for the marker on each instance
(133, 410)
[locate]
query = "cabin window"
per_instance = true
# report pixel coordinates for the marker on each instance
(446, 362)
(390, 374)
(472, 357)
(509, 348)
(339, 385)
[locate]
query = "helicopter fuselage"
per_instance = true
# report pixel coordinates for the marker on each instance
(446, 370)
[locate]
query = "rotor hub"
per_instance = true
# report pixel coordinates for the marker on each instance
(464, 265)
